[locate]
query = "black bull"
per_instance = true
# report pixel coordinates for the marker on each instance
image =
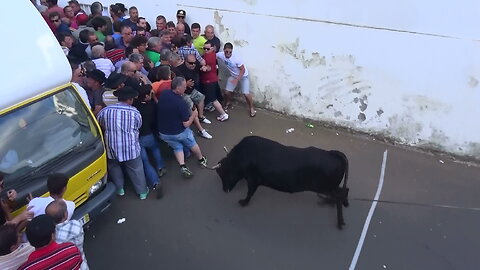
(262, 162)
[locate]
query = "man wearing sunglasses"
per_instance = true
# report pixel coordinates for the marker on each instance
(238, 75)
(59, 26)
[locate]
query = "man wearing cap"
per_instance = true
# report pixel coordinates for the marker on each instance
(181, 14)
(82, 20)
(121, 123)
(114, 82)
(95, 80)
(48, 254)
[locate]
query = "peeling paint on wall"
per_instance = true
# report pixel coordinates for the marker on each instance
(308, 61)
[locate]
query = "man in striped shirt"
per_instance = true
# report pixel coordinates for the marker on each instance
(121, 123)
(48, 254)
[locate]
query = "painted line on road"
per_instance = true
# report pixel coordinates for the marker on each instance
(370, 214)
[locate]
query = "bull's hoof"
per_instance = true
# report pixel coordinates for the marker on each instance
(243, 202)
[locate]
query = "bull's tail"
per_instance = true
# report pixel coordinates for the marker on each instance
(345, 162)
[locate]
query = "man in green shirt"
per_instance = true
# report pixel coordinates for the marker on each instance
(153, 50)
(100, 27)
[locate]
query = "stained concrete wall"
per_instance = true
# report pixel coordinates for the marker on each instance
(407, 70)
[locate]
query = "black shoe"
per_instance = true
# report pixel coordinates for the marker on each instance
(161, 172)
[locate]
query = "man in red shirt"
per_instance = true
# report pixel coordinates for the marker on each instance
(48, 254)
(209, 79)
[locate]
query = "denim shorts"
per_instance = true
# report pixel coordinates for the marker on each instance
(178, 141)
(244, 84)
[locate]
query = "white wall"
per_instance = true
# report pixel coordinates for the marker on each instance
(408, 70)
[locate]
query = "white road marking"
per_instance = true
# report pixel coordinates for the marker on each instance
(370, 214)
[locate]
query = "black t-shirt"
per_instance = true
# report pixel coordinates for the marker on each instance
(187, 29)
(148, 112)
(97, 98)
(3, 217)
(190, 75)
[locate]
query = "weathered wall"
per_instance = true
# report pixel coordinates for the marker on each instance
(408, 70)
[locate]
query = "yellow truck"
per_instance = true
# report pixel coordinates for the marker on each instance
(45, 125)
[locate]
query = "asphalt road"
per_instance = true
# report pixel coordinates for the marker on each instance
(427, 216)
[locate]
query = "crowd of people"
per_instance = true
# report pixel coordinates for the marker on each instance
(146, 86)
(132, 74)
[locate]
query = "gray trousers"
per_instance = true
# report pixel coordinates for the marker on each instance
(134, 169)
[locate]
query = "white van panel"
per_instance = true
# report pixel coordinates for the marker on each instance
(33, 61)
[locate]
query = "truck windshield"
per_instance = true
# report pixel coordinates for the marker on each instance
(42, 134)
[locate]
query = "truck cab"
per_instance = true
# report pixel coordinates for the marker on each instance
(46, 126)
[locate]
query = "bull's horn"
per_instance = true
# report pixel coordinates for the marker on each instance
(216, 166)
(226, 150)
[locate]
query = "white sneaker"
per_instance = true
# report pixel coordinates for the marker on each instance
(204, 120)
(223, 117)
(205, 134)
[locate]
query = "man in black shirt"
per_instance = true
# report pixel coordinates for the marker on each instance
(210, 35)
(190, 70)
(147, 108)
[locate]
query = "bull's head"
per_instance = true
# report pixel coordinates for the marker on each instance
(228, 174)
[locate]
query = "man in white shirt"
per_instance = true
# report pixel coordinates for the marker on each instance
(57, 185)
(238, 74)
(102, 63)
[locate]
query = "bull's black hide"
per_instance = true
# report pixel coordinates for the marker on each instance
(263, 162)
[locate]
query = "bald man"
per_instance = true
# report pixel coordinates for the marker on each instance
(66, 231)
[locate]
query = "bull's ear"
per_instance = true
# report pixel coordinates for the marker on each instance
(217, 166)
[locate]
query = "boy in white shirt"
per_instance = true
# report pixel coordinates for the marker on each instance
(57, 185)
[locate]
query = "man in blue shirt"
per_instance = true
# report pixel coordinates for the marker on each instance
(174, 119)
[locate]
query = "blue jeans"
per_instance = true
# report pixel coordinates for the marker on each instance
(148, 142)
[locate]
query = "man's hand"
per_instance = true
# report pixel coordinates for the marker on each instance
(27, 214)
(29, 197)
(205, 68)
(190, 83)
(194, 113)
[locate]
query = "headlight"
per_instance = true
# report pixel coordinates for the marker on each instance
(97, 186)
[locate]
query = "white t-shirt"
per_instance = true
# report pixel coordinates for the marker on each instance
(105, 65)
(233, 64)
(82, 93)
(40, 204)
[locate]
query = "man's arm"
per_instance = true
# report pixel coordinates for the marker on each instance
(240, 75)
(200, 58)
(191, 118)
